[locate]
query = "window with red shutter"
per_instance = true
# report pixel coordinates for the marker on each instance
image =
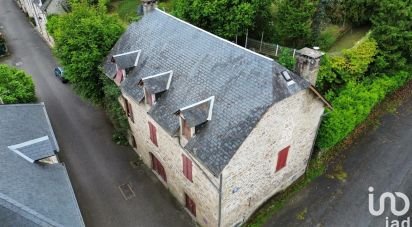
(152, 131)
(190, 205)
(130, 111)
(158, 167)
(187, 167)
(149, 99)
(186, 130)
(282, 158)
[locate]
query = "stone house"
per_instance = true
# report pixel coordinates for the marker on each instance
(222, 127)
(35, 189)
(38, 10)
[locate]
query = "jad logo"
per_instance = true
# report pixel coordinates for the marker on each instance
(392, 197)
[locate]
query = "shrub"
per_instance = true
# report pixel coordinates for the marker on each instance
(353, 105)
(15, 86)
(286, 58)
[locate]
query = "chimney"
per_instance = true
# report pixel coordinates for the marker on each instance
(308, 63)
(148, 5)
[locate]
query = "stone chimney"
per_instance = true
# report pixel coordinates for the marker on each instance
(148, 5)
(308, 63)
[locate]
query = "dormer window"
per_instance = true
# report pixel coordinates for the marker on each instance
(194, 116)
(155, 86)
(124, 64)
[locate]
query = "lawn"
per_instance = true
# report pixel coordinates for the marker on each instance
(127, 9)
(349, 39)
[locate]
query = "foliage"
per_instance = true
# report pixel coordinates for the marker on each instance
(335, 71)
(286, 58)
(293, 22)
(83, 37)
(392, 29)
(359, 12)
(353, 105)
(115, 111)
(15, 86)
(225, 18)
(328, 37)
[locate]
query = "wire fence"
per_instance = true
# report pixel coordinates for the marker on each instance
(269, 49)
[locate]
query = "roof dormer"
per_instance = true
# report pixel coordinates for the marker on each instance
(124, 63)
(154, 86)
(35, 150)
(194, 116)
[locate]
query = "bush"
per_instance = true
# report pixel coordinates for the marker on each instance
(16, 86)
(115, 111)
(353, 105)
(329, 36)
(286, 58)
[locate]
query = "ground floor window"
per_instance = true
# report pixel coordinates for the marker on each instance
(190, 205)
(158, 167)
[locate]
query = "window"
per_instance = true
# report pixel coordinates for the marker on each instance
(134, 142)
(158, 167)
(153, 136)
(129, 109)
(150, 100)
(282, 158)
(187, 167)
(186, 130)
(286, 76)
(190, 205)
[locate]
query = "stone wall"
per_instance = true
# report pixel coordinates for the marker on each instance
(250, 177)
(204, 188)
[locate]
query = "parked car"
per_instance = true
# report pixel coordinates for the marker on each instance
(59, 73)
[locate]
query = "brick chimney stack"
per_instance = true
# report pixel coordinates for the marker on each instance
(148, 5)
(308, 63)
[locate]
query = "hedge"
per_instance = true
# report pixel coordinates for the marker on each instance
(353, 105)
(15, 86)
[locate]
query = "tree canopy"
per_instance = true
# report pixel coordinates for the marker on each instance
(15, 86)
(225, 18)
(83, 37)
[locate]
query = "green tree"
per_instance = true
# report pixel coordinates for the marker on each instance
(225, 18)
(293, 22)
(83, 37)
(392, 29)
(15, 86)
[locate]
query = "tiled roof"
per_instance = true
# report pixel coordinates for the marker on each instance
(245, 84)
(33, 193)
(34, 150)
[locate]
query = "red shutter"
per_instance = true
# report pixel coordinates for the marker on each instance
(187, 167)
(186, 130)
(152, 131)
(282, 158)
(190, 205)
(126, 105)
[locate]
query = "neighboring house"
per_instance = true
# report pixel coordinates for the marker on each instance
(35, 189)
(38, 10)
(222, 127)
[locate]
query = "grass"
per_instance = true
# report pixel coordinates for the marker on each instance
(127, 9)
(349, 39)
(333, 157)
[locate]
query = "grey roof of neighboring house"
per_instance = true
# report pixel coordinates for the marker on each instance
(245, 84)
(32, 194)
(53, 6)
(34, 150)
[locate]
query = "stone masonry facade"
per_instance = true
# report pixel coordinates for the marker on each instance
(250, 178)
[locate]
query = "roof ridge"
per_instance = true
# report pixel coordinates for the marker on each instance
(215, 36)
(27, 211)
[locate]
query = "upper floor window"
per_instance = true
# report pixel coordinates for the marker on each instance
(187, 167)
(129, 109)
(153, 135)
(282, 158)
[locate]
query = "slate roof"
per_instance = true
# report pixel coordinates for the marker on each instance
(127, 60)
(310, 52)
(245, 84)
(198, 113)
(158, 83)
(32, 194)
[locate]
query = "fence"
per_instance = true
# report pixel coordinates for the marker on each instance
(269, 49)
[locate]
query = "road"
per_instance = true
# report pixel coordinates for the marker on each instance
(96, 165)
(382, 159)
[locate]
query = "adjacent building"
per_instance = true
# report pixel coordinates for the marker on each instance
(35, 189)
(222, 127)
(39, 10)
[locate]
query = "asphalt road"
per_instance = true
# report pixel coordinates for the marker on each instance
(96, 165)
(381, 159)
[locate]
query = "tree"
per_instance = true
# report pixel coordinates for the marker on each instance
(225, 18)
(392, 29)
(293, 22)
(15, 86)
(83, 37)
